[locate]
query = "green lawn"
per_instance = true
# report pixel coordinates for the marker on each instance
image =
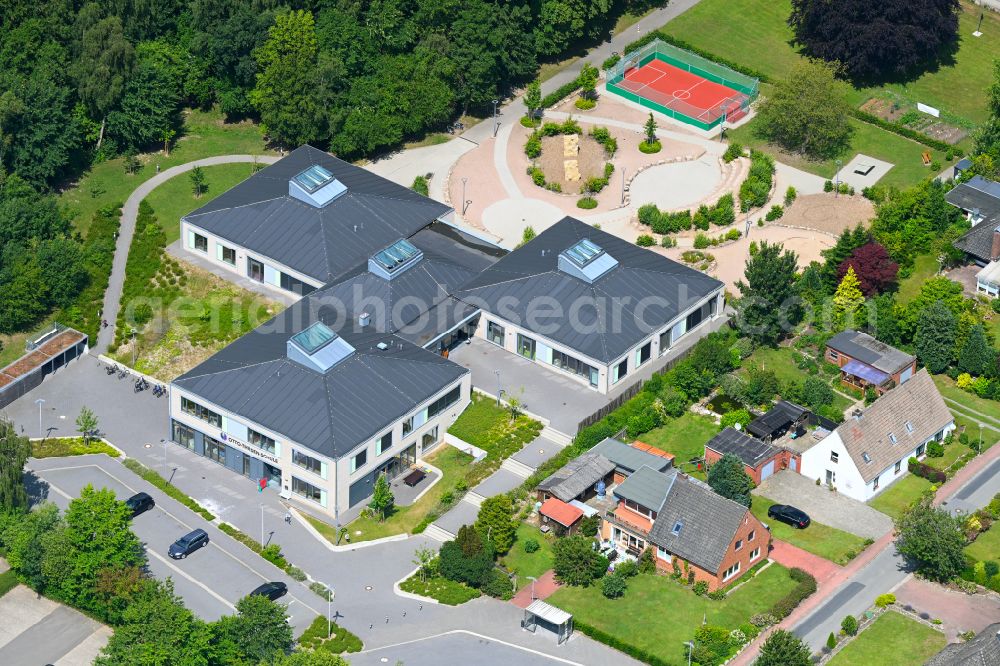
(971, 401)
(782, 361)
(827, 542)
(925, 266)
(900, 495)
(684, 437)
(893, 639)
(986, 546)
(452, 462)
(658, 615)
(529, 564)
(8, 581)
(174, 198)
(489, 427)
(205, 134)
(448, 592)
(55, 447)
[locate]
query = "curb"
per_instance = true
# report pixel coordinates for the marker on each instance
(341, 549)
(411, 595)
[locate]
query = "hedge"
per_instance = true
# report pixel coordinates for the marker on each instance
(559, 93)
(681, 44)
(926, 471)
(99, 254)
(620, 645)
(170, 489)
(906, 132)
(784, 606)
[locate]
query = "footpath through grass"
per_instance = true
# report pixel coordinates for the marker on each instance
(658, 614)
(891, 640)
(205, 134)
(175, 198)
(57, 447)
(454, 465)
(895, 499)
(827, 542)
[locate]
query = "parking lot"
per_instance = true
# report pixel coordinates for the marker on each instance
(212, 579)
(36, 630)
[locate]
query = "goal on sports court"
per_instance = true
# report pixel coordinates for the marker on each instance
(683, 85)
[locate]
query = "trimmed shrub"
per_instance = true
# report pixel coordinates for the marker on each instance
(533, 146)
(790, 195)
(420, 185)
(732, 152)
(926, 471)
(588, 203)
(849, 625)
(531, 546)
(884, 600)
(650, 148)
(627, 569)
(645, 240)
(585, 103)
(613, 586)
(700, 588)
(775, 213)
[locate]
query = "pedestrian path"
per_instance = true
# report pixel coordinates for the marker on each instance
(542, 588)
(786, 554)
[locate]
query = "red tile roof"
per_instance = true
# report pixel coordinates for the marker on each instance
(642, 446)
(559, 511)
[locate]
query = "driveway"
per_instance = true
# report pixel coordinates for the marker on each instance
(36, 630)
(212, 579)
(823, 506)
(958, 611)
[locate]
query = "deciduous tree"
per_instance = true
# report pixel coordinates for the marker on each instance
(576, 562)
(875, 270)
(14, 452)
(495, 522)
(729, 479)
(259, 633)
(86, 423)
(933, 540)
(783, 648)
(533, 100)
(382, 498)
(935, 337)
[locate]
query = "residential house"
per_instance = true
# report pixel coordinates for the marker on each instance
(865, 361)
(760, 459)
(687, 524)
(565, 517)
(982, 650)
(979, 201)
(579, 479)
(628, 458)
(871, 449)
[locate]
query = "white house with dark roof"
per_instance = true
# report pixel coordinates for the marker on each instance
(870, 450)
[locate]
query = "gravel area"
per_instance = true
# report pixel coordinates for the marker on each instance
(828, 213)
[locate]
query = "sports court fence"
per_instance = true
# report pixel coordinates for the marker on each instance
(746, 88)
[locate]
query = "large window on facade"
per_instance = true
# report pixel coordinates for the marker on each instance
(444, 402)
(194, 409)
(643, 354)
(200, 242)
(575, 366)
(229, 255)
(619, 371)
(384, 443)
(183, 435)
(359, 460)
(701, 314)
(307, 490)
(525, 346)
(408, 425)
(307, 462)
(261, 441)
(494, 333)
(215, 450)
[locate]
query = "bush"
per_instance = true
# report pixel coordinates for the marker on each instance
(498, 585)
(717, 595)
(531, 546)
(329, 637)
(806, 586)
(645, 240)
(884, 600)
(560, 93)
(926, 471)
(733, 151)
(588, 203)
(849, 625)
(590, 525)
(627, 569)
(935, 450)
(667, 241)
(584, 103)
(420, 185)
(701, 241)
(610, 61)
(613, 586)
(755, 189)
(775, 213)
(828, 186)
(537, 176)
(790, 195)
(650, 148)
(533, 146)
(700, 588)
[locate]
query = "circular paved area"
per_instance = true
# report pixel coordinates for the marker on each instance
(508, 218)
(677, 185)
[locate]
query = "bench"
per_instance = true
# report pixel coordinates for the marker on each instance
(863, 168)
(415, 477)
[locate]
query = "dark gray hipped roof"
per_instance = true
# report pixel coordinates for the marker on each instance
(782, 415)
(641, 275)
(978, 241)
(749, 449)
(647, 487)
(628, 458)
(709, 523)
(577, 476)
(322, 243)
(870, 351)
(983, 650)
(982, 195)
(330, 412)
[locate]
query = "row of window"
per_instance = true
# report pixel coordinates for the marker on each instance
(306, 490)
(255, 268)
(309, 463)
(261, 441)
(204, 413)
(750, 537)
(640, 509)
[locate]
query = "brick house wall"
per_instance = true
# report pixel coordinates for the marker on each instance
(781, 461)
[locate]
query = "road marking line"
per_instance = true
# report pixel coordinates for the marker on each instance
(477, 635)
(191, 578)
(185, 524)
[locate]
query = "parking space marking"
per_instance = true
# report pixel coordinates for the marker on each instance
(191, 578)
(211, 543)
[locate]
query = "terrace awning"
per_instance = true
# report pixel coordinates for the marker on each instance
(865, 372)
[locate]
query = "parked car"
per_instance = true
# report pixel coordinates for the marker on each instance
(273, 590)
(139, 503)
(187, 544)
(789, 514)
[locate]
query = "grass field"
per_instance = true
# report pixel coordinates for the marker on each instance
(684, 437)
(658, 614)
(900, 495)
(827, 542)
(205, 134)
(174, 198)
(453, 464)
(58, 447)
(8, 581)
(925, 266)
(782, 361)
(986, 546)
(529, 564)
(489, 427)
(973, 404)
(892, 640)
(448, 592)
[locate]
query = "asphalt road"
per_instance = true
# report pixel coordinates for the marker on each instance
(210, 580)
(462, 648)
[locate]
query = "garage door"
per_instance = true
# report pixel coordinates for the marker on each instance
(768, 470)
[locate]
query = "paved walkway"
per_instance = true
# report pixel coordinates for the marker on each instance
(786, 554)
(958, 611)
(112, 296)
(37, 630)
(543, 588)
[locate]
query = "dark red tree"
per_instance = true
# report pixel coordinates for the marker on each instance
(875, 270)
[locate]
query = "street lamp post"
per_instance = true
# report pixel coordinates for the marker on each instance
(836, 177)
(532, 579)
(164, 442)
(40, 402)
(465, 202)
(262, 525)
(623, 186)
(329, 606)
(133, 347)
(496, 123)
(690, 647)
(980, 449)
(496, 372)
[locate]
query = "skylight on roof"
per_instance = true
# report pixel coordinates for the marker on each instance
(318, 348)
(677, 527)
(909, 426)
(586, 260)
(313, 178)
(314, 338)
(867, 458)
(892, 438)
(395, 259)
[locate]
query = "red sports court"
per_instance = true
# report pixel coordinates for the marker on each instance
(683, 85)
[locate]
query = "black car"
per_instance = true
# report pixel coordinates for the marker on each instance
(273, 590)
(139, 503)
(187, 544)
(789, 514)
